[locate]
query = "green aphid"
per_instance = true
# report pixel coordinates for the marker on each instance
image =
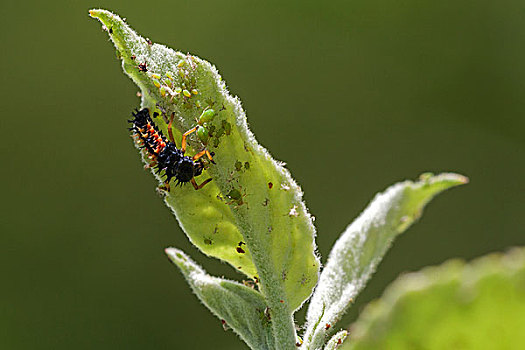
(238, 166)
(211, 130)
(227, 127)
(203, 134)
(206, 116)
(234, 195)
(219, 133)
(186, 93)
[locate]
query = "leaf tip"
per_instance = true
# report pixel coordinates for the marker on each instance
(96, 13)
(452, 179)
(174, 255)
(107, 18)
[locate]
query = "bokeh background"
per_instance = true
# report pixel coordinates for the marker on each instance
(353, 95)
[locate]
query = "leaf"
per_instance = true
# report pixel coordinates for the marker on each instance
(336, 340)
(252, 202)
(480, 305)
(361, 247)
(242, 308)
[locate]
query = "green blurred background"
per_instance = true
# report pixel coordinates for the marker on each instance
(353, 95)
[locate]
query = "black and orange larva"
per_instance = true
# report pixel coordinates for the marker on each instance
(164, 154)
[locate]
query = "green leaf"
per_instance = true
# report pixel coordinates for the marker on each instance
(252, 202)
(361, 247)
(242, 308)
(480, 305)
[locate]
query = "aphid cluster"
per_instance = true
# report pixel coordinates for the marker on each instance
(164, 154)
(170, 86)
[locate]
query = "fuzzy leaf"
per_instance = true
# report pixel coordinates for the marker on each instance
(361, 247)
(480, 305)
(242, 308)
(336, 340)
(252, 202)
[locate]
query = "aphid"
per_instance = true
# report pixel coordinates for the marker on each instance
(206, 116)
(283, 275)
(236, 196)
(133, 57)
(238, 166)
(251, 284)
(203, 134)
(304, 280)
(202, 130)
(327, 326)
(143, 67)
(227, 127)
(164, 153)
